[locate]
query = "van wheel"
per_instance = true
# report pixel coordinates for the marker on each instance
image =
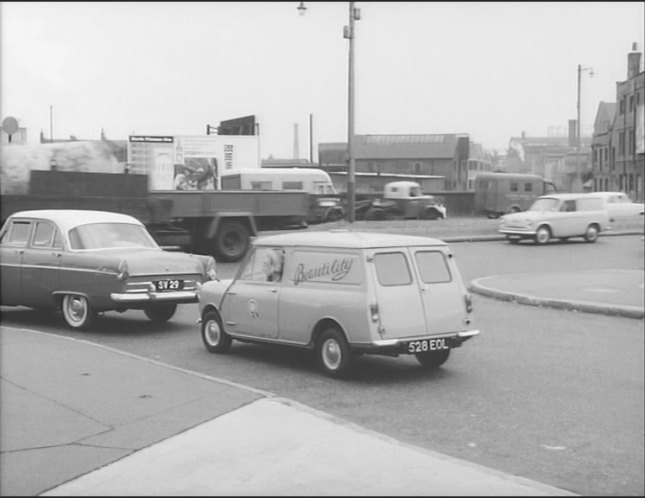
(160, 313)
(78, 311)
(491, 215)
(433, 359)
(213, 335)
(335, 358)
(591, 235)
(543, 235)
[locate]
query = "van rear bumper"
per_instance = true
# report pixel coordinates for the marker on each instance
(395, 347)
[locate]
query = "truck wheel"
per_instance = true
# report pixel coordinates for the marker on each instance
(543, 235)
(375, 215)
(232, 241)
(78, 311)
(334, 214)
(334, 355)
(433, 359)
(430, 214)
(591, 235)
(213, 335)
(160, 313)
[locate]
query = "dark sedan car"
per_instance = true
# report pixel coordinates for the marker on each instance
(86, 262)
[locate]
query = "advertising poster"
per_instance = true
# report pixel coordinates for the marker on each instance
(190, 162)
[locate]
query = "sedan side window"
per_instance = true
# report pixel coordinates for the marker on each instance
(18, 234)
(46, 235)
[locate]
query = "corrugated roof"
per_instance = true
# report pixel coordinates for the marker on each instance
(399, 146)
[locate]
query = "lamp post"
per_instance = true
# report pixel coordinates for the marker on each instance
(348, 32)
(578, 142)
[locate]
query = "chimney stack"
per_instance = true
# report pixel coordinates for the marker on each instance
(633, 62)
(296, 152)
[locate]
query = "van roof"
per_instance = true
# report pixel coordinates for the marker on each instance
(347, 239)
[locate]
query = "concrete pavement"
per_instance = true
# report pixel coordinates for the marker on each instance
(83, 419)
(79, 419)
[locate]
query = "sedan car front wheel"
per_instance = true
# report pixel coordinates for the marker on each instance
(78, 311)
(543, 235)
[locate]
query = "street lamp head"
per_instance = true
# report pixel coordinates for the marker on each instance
(302, 8)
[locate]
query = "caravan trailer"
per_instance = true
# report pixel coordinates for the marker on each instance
(325, 205)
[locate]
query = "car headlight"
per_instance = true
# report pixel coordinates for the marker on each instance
(211, 271)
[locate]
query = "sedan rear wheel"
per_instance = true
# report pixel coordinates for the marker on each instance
(543, 235)
(78, 311)
(213, 335)
(160, 313)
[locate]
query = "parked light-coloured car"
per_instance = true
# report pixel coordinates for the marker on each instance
(342, 294)
(86, 262)
(560, 216)
(619, 206)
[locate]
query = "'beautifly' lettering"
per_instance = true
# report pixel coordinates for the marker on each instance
(335, 271)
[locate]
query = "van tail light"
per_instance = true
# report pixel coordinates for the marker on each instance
(374, 312)
(468, 300)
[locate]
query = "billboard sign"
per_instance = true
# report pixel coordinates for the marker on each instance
(190, 162)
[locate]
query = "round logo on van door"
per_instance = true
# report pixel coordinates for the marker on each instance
(252, 306)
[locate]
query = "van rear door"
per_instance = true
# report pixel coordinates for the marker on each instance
(442, 291)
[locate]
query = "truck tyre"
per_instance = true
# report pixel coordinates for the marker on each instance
(334, 214)
(335, 358)
(231, 241)
(430, 214)
(543, 235)
(213, 335)
(433, 359)
(78, 311)
(374, 214)
(160, 313)
(591, 235)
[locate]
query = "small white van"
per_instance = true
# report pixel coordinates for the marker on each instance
(342, 294)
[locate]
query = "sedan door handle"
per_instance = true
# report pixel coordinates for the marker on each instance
(273, 290)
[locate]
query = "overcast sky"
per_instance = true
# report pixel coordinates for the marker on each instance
(488, 69)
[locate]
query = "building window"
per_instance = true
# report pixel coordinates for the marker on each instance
(622, 107)
(417, 168)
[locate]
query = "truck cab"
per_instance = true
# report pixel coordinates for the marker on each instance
(405, 200)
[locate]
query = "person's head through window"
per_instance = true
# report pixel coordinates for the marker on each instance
(273, 265)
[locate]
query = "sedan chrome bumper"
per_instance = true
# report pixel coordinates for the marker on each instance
(187, 296)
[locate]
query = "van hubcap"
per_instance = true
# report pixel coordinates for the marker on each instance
(331, 354)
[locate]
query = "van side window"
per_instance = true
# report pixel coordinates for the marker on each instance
(514, 187)
(433, 267)
(255, 269)
(392, 269)
(568, 206)
(528, 187)
(260, 185)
